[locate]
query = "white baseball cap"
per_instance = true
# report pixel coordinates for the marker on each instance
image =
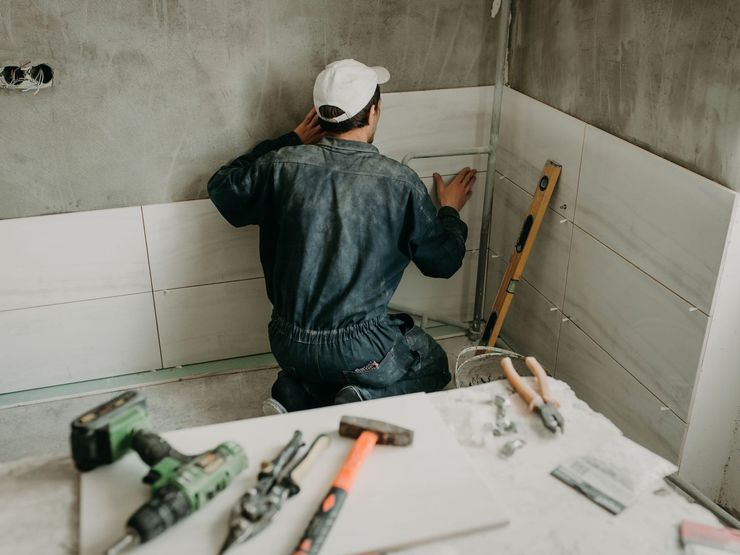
(349, 85)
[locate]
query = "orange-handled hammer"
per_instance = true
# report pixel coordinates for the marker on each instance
(368, 433)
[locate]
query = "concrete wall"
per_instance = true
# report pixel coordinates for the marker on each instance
(152, 95)
(663, 74)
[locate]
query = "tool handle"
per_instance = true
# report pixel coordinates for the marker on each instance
(153, 449)
(300, 470)
(323, 520)
(529, 395)
(542, 380)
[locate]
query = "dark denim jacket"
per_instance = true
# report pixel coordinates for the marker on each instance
(338, 224)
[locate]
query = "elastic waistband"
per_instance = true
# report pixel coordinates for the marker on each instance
(307, 335)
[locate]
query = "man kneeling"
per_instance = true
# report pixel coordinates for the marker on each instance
(339, 222)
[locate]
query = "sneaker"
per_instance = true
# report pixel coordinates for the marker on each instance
(27, 77)
(348, 394)
(271, 407)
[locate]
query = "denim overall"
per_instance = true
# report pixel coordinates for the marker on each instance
(339, 223)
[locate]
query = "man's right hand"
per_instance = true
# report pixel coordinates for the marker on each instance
(309, 131)
(457, 192)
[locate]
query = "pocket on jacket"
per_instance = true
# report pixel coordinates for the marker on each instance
(394, 367)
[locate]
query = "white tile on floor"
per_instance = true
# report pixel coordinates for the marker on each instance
(472, 212)
(72, 257)
(446, 298)
(77, 341)
(668, 221)
(190, 243)
(547, 266)
(609, 389)
(532, 324)
(213, 322)
(533, 133)
(435, 120)
(645, 327)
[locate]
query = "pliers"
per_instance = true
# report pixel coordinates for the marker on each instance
(279, 480)
(545, 403)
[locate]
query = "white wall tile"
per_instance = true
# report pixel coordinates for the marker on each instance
(533, 133)
(72, 257)
(472, 212)
(547, 266)
(609, 389)
(436, 120)
(447, 298)
(77, 341)
(190, 243)
(532, 326)
(212, 322)
(648, 329)
(668, 221)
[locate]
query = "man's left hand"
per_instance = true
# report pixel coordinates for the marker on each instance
(309, 131)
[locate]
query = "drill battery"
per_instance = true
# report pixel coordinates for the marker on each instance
(105, 434)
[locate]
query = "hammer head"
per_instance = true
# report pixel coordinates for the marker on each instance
(388, 434)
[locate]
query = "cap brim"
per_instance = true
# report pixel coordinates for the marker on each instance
(382, 73)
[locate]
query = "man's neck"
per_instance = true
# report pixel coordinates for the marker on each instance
(360, 134)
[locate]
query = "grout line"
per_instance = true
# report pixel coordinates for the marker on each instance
(151, 282)
(138, 292)
(565, 290)
(208, 284)
(580, 167)
(74, 301)
(561, 321)
(628, 372)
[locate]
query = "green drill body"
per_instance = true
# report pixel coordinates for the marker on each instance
(180, 489)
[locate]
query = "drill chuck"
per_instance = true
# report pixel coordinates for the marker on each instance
(165, 509)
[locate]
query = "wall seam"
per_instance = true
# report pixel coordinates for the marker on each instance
(166, 289)
(76, 301)
(151, 283)
(570, 250)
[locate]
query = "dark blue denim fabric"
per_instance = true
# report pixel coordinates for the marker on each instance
(339, 223)
(314, 372)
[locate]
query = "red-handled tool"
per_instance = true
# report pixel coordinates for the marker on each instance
(368, 433)
(545, 404)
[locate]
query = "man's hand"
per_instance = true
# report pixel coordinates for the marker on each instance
(457, 192)
(308, 130)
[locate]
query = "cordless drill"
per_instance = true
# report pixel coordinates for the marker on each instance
(180, 484)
